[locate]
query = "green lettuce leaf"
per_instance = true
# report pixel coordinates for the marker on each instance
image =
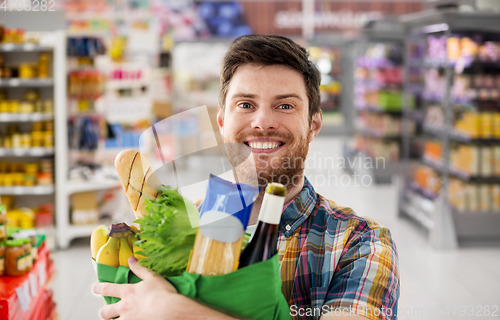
(167, 233)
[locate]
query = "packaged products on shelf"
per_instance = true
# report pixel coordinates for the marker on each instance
(484, 197)
(3, 223)
(495, 196)
(26, 174)
(14, 258)
(496, 159)
(486, 161)
(2, 260)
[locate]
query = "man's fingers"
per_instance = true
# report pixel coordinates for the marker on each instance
(110, 311)
(110, 289)
(138, 270)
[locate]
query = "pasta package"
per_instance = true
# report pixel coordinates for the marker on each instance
(224, 216)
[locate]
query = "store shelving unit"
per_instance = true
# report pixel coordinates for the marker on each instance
(330, 54)
(448, 225)
(48, 87)
(360, 92)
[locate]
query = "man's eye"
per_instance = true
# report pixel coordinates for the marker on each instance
(245, 105)
(285, 106)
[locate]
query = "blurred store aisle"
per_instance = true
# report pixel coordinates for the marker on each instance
(432, 282)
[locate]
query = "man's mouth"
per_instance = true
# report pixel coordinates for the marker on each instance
(264, 145)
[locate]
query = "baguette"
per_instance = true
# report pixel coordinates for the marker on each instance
(137, 178)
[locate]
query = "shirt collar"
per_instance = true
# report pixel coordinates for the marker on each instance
(299, 210)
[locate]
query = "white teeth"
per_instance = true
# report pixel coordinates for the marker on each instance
(265, 145)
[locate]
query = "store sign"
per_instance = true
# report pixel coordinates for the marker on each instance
(344, 19)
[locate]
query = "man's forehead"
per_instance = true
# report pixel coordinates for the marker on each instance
(284, 81)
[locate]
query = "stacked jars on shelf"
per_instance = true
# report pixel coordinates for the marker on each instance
(18, 249)
(41, 134)
(27, 174)
(31, 103)
(26, 70)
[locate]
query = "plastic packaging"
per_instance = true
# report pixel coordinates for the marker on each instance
(224, 217)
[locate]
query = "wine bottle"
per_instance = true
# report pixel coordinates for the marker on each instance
(263, 244)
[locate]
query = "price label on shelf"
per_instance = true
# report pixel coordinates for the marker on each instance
(23, 298)
(29, 47)
(42, 273)
(14, 82)
(8, 47)
(33, 285)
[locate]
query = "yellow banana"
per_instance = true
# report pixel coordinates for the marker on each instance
(134, 228)
(98, 238)
(137, 249)
(125, 252)
(108, 254)
(131, 240)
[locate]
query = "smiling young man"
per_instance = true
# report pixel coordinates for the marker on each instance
(333, 264)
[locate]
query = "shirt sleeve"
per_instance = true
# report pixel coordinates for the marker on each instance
(366, 279)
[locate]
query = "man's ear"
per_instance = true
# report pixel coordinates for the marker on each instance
(220, 119)
(316, 124)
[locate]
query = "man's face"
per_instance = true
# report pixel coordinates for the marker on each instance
(267, 114)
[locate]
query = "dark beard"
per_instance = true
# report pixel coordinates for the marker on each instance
(287, 170)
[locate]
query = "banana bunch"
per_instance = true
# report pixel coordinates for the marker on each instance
(114, 247)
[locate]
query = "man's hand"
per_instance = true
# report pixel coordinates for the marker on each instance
(152, 298)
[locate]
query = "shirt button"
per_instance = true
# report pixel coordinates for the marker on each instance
(288, 228)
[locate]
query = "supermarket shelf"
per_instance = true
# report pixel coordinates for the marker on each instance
(19, 190)
(422, 192)
(378, 109)
(436, 165)
(25, 117)
(7, 47)
(26, 152)
(379, 175)
(477, 226)
(16, 82)
(417, 214)
(457, 136)
(91, 185)
(373, 133)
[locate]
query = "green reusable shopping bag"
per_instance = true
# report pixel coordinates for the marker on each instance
(253, 292)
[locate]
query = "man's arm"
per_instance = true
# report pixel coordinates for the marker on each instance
(365, 284)
(152, 298)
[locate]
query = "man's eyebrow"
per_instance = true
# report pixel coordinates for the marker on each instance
(244, 95)
(288, 95)
(278, 97)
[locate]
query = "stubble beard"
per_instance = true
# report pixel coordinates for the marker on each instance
(263, 168)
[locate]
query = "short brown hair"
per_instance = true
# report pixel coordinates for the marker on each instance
(271, 50)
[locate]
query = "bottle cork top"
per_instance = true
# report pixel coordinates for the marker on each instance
(276, 189)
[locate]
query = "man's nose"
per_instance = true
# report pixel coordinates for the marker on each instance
(265, 119)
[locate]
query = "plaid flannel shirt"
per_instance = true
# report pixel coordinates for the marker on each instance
(333, 261)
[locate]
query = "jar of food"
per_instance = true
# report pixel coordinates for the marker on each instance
(14, 258)
(16, 140)
(25, 70)
(14, 106)
(27, 107)
(44, 179)
(31, 95)
(37, 138)
(4, 106)
(31, 233)
(8, 179)
(3, 225)
(48, 140)
(48, 106)
(28, 260)
(25, 140)
(49, 126)
(39, 106)
(2, 260)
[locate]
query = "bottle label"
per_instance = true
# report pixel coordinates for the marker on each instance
(2, 265)
(271, 209)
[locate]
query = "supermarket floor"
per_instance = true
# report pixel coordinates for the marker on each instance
(460, 284)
